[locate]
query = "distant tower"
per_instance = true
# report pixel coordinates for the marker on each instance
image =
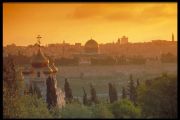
(124, 40)
(172, 37)
(63, 48)
(119, 41)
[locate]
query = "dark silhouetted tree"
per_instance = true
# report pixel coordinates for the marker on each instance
(137, 84)
(112, 93)
(85, 100)
(159, 100)
(9, 74)
(31, 91)
(37, 91)
(132, 90)
(123, 93)
(51, 92)
(94, 98)
(68, 92)
(115, 93)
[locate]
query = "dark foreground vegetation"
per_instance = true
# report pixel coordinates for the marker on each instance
(154, 98)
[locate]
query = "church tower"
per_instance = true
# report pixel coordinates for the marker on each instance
(38, 71)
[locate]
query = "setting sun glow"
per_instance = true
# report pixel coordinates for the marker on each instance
(78, 22)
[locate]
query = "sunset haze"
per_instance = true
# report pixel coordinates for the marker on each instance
(78, 22)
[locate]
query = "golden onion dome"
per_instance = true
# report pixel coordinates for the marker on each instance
(39, 60)
(47, 70)
(54, 68)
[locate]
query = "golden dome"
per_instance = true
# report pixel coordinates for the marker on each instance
(91, 46)
(47, 70)
(39, 60)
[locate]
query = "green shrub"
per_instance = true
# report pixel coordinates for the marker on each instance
(125, 109)
(101, 111)
(27, 107)
(159, 100)
(55, 112)
(75, 110)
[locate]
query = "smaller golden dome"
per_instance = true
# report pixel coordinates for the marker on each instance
(54, 68)
(47, 70)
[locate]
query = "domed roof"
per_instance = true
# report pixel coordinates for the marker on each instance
(39, 60)
(91, 42)
(91, 46)
(54, 68)
(47, 70)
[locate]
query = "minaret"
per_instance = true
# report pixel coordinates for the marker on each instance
(63, 50)
(172, 37)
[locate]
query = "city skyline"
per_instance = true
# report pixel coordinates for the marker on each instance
(76, 23)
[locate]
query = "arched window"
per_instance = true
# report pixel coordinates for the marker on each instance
(38, 74)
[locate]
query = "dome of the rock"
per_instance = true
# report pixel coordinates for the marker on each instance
(91, 46)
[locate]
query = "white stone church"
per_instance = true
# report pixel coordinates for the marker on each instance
(36, 74)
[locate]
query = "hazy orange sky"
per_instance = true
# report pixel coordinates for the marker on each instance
(78, 22)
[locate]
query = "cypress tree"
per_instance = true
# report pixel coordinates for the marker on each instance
(85, 100)
(132, 90)
(123, 93)
(68, 92)
(138, 83)
(115, 93)
(93, 94)
(37, 91)
(112, 93)
(51, 92)
(31, 91)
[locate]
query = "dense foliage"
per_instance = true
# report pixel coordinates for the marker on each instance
(51, 92)
(26, 106)
(125, 109)
(101, 111)
(75, 110)
(154, 98)
(159, 99)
